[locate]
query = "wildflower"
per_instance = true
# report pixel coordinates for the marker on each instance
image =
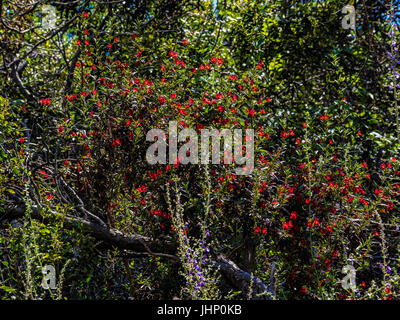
(116, 142)
(162, 100)
(45, 101)
(285, 225)
(251, 112)
(303, 290)
(364, 164)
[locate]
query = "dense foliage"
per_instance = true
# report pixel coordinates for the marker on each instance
(76, 192)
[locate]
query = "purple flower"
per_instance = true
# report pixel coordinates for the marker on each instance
(388, 270)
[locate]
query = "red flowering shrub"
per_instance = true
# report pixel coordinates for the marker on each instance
(324, 192)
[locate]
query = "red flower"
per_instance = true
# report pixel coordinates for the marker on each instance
(303, 290)
(285, 226)
(116, 142)
(251, 112)
(45, 101)
(257, 230)
(162, 100)
(43, 172)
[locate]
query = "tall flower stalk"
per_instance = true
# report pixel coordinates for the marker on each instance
(193, 253)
